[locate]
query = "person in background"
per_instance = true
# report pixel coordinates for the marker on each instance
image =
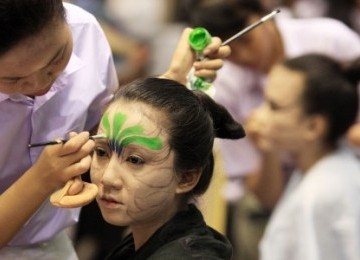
(310, 103)
(56, 75)
(239, 87)
(157, 159)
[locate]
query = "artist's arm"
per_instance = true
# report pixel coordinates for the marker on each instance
(55, 166)
(183, 59)
(267, 183)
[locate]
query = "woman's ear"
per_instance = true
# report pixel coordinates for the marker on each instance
(317, 127)
(188, 180)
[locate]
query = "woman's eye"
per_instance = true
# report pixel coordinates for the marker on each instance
(135, 160)
(100, 152)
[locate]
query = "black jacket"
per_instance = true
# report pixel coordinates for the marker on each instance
(185, 236)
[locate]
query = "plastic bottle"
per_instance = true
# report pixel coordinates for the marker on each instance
(199, 38)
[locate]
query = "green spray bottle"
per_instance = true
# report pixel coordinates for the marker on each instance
(199, 38)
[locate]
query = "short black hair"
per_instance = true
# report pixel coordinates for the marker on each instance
(330, 90)
(224, 18)
(20, 19)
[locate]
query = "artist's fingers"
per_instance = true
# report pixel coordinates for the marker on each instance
(77, 168)
(72, 134)
(208, 69)
(209, 64)
(75, 143)
(57, 195)
(77, 162)
(81, 199)
(215, 51)
(182, 59)
(76, 187)
(208, 75)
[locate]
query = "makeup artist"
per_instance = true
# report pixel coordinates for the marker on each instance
(56, 74)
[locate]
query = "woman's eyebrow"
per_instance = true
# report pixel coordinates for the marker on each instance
(101, 141)
(152, 143)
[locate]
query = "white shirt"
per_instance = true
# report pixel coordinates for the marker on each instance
(318, 217)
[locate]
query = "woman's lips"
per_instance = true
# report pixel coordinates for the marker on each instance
(109, 202)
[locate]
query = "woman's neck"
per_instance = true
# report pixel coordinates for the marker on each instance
(142, 232)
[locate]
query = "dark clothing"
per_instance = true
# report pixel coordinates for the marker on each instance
(185, 236)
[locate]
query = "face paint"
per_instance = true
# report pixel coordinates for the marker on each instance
(119, 138)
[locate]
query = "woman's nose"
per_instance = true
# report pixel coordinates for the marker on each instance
(111, 176)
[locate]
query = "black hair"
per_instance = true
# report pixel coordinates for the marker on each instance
(330, 90)
(224, 18)
(193, 121)
(20, 19)
(341, 10)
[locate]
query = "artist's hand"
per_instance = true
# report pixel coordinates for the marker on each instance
(256, 129)
(59, 163)
(353, 135)
(184, 59)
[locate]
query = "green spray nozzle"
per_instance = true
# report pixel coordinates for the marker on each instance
(199, 38)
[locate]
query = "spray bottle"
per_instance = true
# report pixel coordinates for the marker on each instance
(199, 38)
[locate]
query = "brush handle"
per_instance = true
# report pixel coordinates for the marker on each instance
(62, 141)
(251, 26)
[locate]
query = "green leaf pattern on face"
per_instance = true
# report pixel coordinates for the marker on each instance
(119, 120)
(133, 130)
(151, 143)
(119, 138)
(105, 122)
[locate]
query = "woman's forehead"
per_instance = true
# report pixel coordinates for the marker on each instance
(133, 123)
(133, 113)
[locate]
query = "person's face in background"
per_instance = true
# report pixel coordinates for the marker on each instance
(258, 49)
(281, 123)
(32, 66)
(136, 178)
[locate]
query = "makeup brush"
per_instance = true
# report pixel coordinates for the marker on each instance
(251, 26)
(62, 141)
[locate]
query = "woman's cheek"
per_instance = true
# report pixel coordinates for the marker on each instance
(95, 172)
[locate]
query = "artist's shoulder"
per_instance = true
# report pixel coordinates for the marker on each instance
(76, 14)
(317, 24)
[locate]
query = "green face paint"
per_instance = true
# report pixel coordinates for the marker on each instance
(119, 138)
